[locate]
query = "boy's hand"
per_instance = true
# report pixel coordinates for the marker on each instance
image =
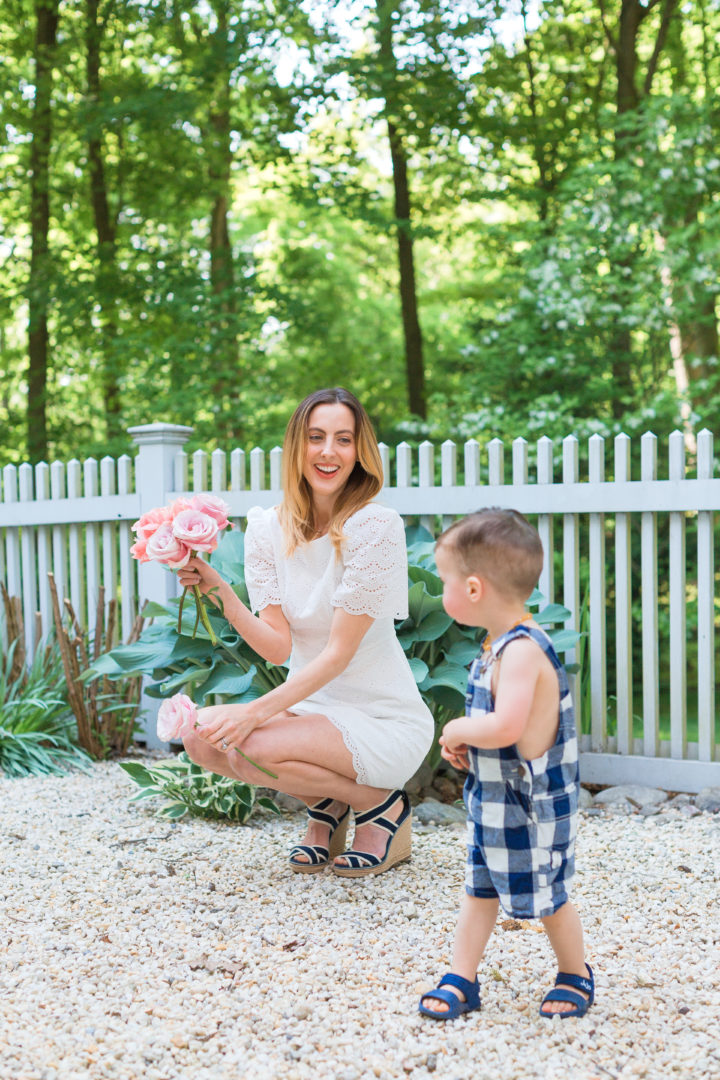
(453, 744)
(458, 758)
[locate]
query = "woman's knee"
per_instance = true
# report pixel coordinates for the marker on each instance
(198, 749)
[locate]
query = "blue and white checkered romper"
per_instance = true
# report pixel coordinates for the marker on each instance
(522, 815)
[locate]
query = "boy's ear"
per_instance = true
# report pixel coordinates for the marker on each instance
(474, 587)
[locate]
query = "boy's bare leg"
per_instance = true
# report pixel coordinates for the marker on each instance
(476, 922)
(564, 930)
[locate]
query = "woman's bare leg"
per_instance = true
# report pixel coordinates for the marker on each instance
(309, 756)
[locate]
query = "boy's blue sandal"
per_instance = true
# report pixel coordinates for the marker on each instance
(456, 1007)
(318, 856)
(560, 993)
(397, 848)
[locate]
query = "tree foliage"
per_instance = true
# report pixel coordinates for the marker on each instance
(211, 208)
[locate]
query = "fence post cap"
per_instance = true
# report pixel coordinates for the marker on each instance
(174, 434)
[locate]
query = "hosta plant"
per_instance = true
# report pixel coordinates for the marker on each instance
(187, 788)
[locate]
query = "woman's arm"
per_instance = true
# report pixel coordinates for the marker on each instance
(267, 633)
(235, 722)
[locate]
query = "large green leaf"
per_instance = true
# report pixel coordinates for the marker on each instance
(173, 684)
(432, 626)
(139, 773)
(564, 639)
(229, 557)
(462, 652)
(418, 535)
(450, 675)
(421, 602)
(225, 679)
(448, 697)
(553, 613)
(141, 656)
(419, 668)
(432, 582)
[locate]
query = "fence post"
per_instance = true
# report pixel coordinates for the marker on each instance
(158, 445)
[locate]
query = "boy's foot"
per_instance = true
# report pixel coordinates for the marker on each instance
(572, 994)
(452, 996)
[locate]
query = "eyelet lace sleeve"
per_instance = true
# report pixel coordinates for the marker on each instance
(260, 569)
(374, 580)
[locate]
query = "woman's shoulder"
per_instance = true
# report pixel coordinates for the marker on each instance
(262, 523)
(262, 515)
(372, 515)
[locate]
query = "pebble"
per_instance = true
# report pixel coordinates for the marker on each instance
(113, 968)
(635, 794)
(709, 799)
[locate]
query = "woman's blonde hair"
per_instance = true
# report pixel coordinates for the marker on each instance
(363, 484)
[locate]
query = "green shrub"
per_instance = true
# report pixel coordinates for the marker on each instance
(37, 730)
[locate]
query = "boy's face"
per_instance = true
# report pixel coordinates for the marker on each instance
(458, 590)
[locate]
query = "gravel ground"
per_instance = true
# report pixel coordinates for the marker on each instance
(135, 948)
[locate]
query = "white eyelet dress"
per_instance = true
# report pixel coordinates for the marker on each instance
(374, 702)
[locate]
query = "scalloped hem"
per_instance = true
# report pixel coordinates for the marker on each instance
(361, 775)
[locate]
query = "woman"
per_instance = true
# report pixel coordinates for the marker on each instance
(326, 572)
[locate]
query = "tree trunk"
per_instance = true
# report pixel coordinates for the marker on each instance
(627, 98)
(414, 364)
(46, 16)
(105, 229)
(222, 267)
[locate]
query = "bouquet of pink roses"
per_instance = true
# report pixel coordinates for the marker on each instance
(174, 534)
(178, 716)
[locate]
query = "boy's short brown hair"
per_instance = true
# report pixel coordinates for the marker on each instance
(500, 545)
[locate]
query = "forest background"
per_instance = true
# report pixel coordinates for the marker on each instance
(486, 219)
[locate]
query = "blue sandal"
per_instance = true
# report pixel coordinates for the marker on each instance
(318, 856)
(581, 1003)
(471, 990)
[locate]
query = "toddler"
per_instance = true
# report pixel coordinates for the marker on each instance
(518, 743)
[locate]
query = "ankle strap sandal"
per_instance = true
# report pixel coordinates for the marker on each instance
(397, 848)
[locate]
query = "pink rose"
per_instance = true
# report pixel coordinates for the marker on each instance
(178, 506)
(149, 522)
(196, 530)
(138, 550)
(177, 717)
(165, 547)
(214, 507)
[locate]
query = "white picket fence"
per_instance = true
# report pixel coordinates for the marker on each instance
(75, 519)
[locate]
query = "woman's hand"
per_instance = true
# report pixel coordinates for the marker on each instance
(226, 726)
(200, 574)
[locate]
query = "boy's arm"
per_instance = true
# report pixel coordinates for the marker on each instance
(518, 676)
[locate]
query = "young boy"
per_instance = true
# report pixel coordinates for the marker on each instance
(518, 743)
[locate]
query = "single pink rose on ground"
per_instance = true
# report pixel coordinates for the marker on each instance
(196, 530)
(149, 522)
(214, 507)
(177, 717)
(165, 547)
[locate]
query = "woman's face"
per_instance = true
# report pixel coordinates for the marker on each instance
(330, 451)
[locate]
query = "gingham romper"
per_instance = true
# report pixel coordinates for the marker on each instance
(522, 815)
